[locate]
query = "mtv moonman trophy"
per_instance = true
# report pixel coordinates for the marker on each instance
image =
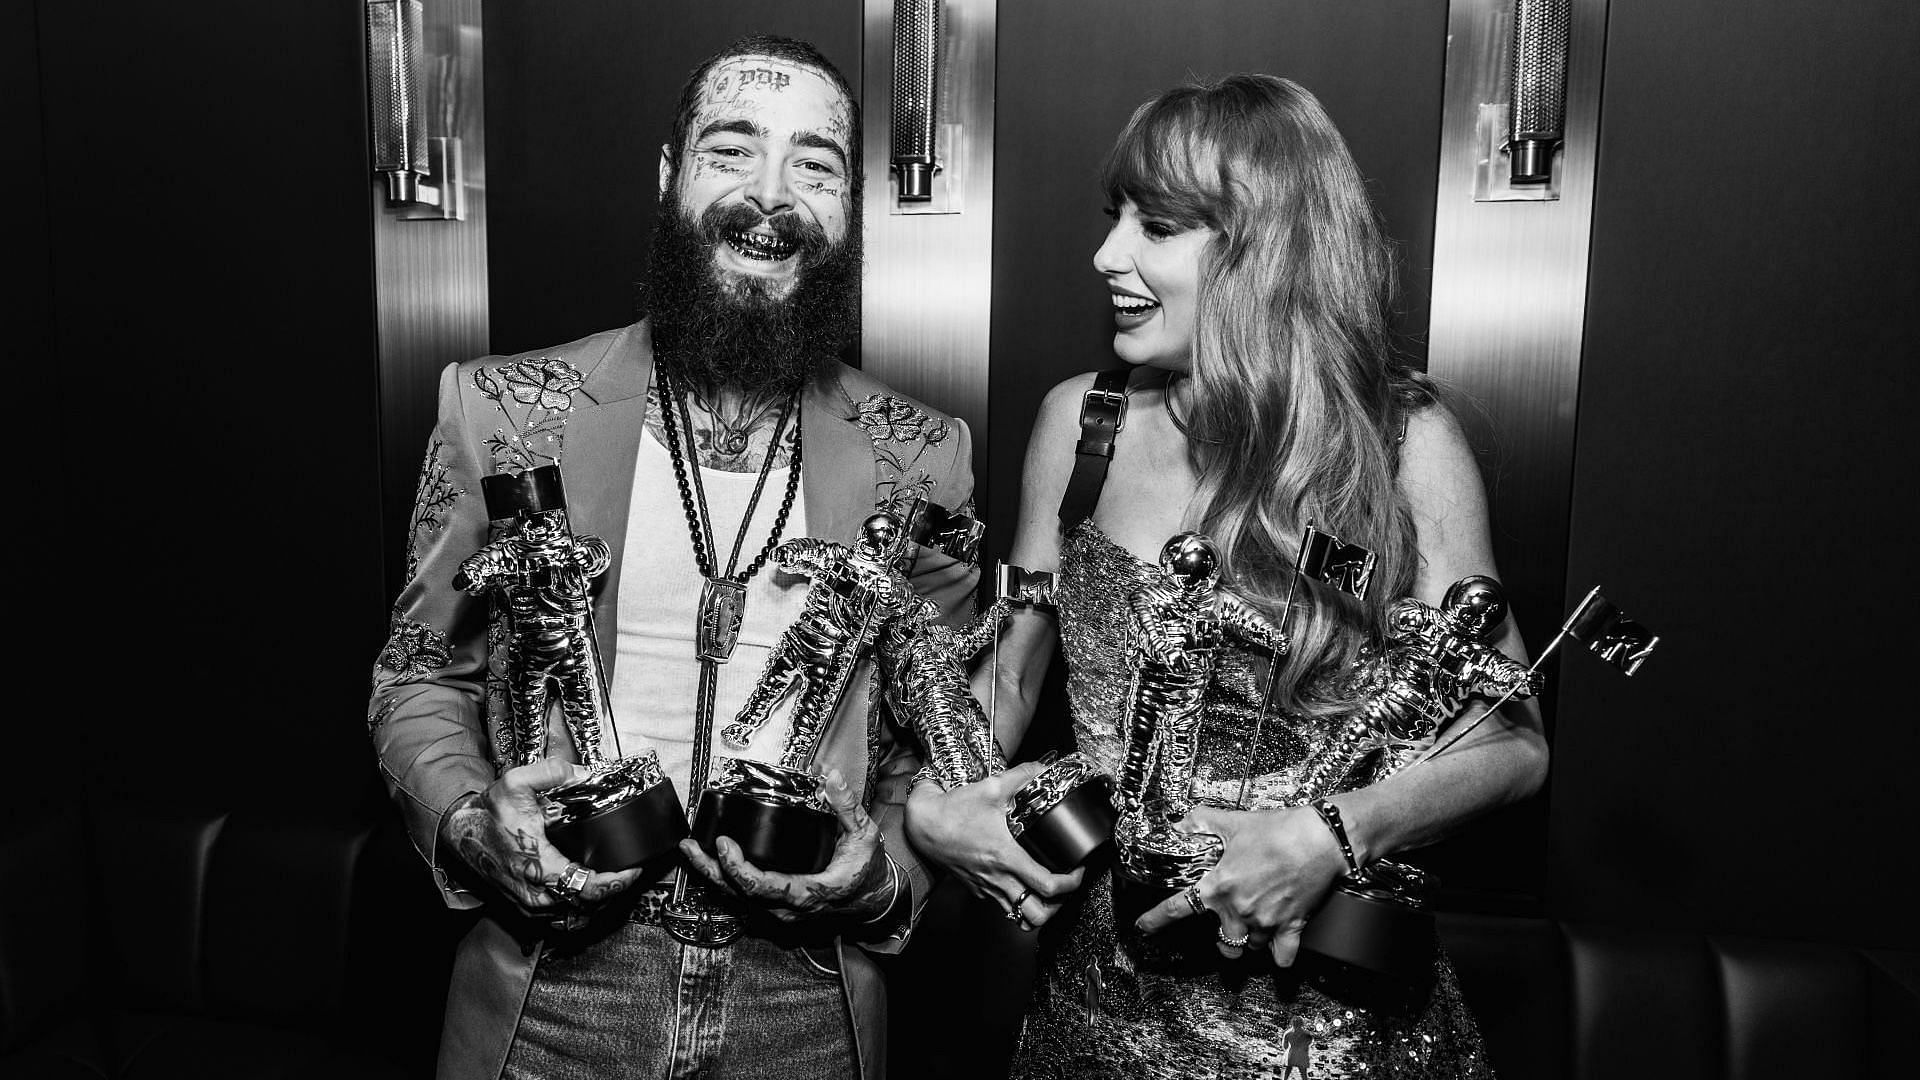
(1374, 926)
(1178, 625)
(776, 811)
(1060, 816)
(625, 813)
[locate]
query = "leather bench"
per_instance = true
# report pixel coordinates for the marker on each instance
(1581, 1002)
(170, 942)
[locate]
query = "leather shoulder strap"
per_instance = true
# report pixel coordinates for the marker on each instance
(1103, 412)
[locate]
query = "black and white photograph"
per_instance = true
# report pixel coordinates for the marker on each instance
(962, 540)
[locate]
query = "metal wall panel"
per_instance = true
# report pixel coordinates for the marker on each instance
(1509, 300)
(430, 277)
(927, 296)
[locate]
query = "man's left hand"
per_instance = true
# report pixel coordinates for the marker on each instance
(855, 884)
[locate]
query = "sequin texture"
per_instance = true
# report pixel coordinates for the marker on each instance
(1111, 1003)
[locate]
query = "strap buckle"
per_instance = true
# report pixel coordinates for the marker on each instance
(1103, 414)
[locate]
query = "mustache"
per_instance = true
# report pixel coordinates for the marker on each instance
(806, 237)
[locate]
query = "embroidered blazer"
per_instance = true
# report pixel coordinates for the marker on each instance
(438, 710)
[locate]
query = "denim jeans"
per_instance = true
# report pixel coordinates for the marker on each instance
(639, 1004)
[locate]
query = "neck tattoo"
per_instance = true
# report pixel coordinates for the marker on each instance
(723, 597)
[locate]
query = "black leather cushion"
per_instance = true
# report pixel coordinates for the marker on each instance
(261, 945)
(1793, 1009)
(154, 863)
(1582, 1001)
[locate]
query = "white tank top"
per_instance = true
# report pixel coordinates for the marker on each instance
(655, 676)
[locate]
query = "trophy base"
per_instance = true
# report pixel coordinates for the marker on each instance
(775, 835)
(1062, 838)
(1372, 945)
(633, 832)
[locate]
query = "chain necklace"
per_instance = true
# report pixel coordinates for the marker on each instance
(723, 596)
(694, 915)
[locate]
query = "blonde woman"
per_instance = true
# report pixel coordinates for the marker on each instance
(1250, 284)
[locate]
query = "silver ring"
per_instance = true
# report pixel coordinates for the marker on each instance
(1022, 898)
(571, 880)
(1231, 942)
(1193, 900)
(1013, 914)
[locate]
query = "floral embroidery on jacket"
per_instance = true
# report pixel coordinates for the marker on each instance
(433, 496)
(414, 649)
(887, 418)
(541, 391)
(892, 425)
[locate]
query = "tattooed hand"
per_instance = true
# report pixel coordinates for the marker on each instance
(855, 884)
(501, 834)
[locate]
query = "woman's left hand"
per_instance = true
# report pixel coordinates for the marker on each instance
(1275, 869)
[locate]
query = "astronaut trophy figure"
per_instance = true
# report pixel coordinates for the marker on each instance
(1435, 660)
(923, 668)
(541, 572)
(1374, 922)
(1063, 813)
(625, 813)
(1178, 626)
(855, 593)
(775, 811)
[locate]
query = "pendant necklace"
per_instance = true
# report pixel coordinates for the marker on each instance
(693, 915)
(723, 596)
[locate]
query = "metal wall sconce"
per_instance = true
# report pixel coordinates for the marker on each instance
(1538, 118)
(423, 174)
(1519, 75)
(927, 148)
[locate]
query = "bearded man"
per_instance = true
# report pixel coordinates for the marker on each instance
(694, 442)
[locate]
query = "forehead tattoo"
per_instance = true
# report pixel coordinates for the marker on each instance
(737, 87)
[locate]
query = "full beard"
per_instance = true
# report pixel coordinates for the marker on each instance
(730, 331)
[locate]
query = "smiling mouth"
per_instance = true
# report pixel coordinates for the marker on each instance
(760, 247)
(1132, 308)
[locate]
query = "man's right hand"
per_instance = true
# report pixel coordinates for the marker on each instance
(965, 830)
(501, 833)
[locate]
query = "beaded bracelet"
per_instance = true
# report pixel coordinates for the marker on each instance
(1330, 814)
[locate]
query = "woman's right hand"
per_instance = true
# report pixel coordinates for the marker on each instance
(965, 830)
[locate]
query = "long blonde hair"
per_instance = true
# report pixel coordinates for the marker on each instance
(1297, 405)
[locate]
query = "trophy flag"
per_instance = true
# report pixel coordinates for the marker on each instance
(1603, 628)
(1028, 588)
(1610, 633)
(1324, 558)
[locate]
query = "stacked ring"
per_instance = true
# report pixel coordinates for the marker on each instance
(571, 880)
(1193, 900)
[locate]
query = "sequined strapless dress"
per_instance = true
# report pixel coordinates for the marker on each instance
(1109, 1003)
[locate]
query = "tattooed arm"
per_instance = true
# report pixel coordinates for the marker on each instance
(501, 835)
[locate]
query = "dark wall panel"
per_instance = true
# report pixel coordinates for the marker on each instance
(1071, 74)
(579, 99)
(218, 545)
(1744, 440)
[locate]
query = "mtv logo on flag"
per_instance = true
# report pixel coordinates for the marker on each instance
(1610, 633)
(1347, 567)
(953, 531)
(1033, 588)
